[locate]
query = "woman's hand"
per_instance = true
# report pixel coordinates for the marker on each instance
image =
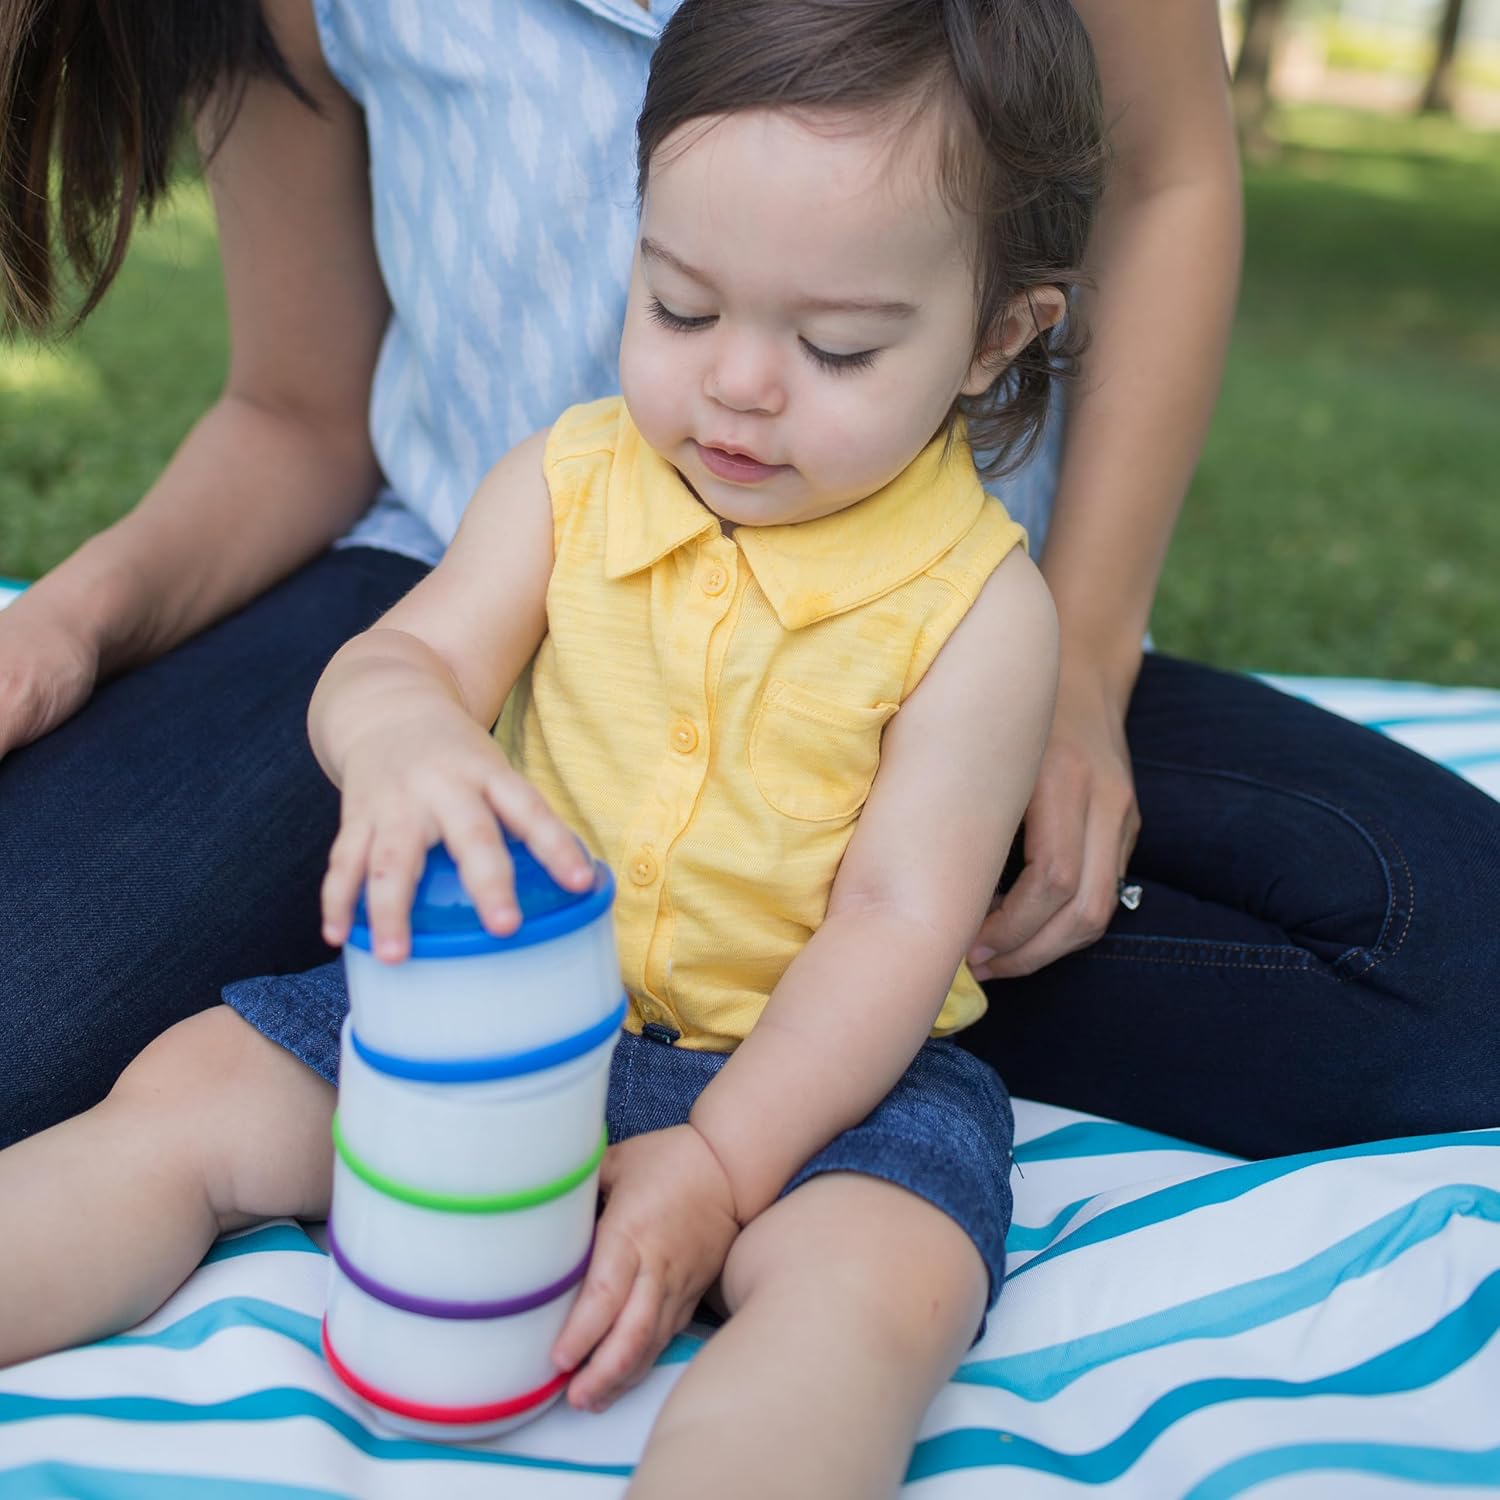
(437, 776)
(668, 1223)
(47, 672)
(1080, 830)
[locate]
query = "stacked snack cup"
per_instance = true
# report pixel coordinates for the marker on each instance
(468, 1136)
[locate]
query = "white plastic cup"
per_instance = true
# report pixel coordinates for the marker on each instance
(473, 1079)
(486, 1004)
(474, 1139)
(466, 1257)
(455, 1363)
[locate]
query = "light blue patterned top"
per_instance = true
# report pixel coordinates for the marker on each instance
(502, 165)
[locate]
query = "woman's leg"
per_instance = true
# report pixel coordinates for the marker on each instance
(851, 1301)
(211, 1128)
(170, 838)
(1316, 955)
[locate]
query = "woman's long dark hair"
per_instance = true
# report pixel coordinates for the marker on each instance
(93, 97)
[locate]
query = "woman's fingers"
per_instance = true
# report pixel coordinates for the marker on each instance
(1056, 827)
(47, 672)
(1083, 919)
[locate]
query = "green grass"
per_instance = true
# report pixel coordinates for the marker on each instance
(1344, 519)
(86, 424)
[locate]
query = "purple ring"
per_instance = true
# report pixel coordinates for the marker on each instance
(433, 1307)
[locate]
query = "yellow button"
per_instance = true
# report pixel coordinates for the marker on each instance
(684, 736)
(642, 868)
(714, 580)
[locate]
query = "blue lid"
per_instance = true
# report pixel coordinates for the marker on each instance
(444, 923)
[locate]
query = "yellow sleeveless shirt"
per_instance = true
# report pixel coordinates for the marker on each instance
(706, 710)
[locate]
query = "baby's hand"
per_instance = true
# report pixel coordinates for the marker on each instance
(667, 1226)
(443, 778)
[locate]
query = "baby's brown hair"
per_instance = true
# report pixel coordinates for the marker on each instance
(1023, 148)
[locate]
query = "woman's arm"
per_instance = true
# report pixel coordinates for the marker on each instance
(1164, 266)
(281, 464)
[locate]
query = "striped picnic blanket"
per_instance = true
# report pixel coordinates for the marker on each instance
(1176, 1323)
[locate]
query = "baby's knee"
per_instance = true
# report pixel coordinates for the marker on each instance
(230, 1108)
(894, 1270)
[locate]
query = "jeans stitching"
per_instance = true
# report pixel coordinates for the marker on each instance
(1341, 968)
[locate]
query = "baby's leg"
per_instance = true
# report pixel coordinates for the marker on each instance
(851, 1302)
(211, 1128)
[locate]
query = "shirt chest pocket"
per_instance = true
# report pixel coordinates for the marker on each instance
(813, 758)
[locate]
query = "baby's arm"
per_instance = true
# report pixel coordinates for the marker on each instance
(855, 1006)
(857, 1003)
(400, 721)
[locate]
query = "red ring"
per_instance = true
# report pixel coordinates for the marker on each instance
(457, 1416)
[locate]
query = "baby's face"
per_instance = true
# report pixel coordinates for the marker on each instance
(801, 313)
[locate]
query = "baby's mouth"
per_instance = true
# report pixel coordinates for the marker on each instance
(736, 467)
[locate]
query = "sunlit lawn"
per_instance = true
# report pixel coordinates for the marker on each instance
(1344, 519)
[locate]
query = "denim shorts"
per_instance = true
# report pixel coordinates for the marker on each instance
(943, 1132)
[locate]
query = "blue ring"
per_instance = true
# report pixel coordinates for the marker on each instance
(484, 1069)
(543, 929)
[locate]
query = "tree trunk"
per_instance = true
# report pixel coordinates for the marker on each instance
(1252, 69)
(1437, 97)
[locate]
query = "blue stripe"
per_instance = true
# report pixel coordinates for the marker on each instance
(269, 1237)
(1233, 1182)
(1468, 762)
(680, 1349)
(1445, 719)
(1417, 1363)
(280, 1404)
(506, 1065)
(1414, 1365)
(1039, 1374)
(1022, 1237)
(46, 1481)
(1308, 687)
(200, 1325)
(1104, 1138)
(1451, 1466)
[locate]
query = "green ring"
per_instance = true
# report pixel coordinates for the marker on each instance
(451, 1203)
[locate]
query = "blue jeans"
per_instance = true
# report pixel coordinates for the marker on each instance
(1315, 959)
(1316, 956)
(170, 838)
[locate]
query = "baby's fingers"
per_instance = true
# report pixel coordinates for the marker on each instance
(397, 853)
(626, 1351)
(473, 839)
(346, 872)
(525, 812)
(610, 1277)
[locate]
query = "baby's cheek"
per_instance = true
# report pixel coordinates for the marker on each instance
(651, 384)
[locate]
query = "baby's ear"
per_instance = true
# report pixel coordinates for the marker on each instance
(1026, 316)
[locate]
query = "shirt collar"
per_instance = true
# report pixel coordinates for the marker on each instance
(813, 569)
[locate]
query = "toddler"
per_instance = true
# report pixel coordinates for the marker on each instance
(761, 640)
